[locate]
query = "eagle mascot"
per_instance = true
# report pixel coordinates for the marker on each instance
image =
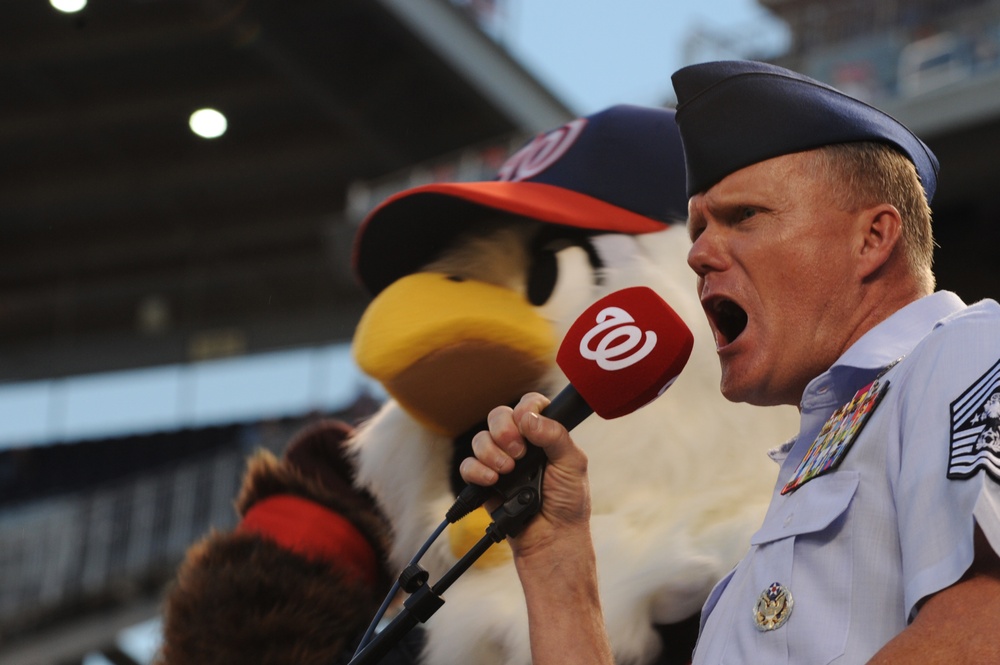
(474, 285)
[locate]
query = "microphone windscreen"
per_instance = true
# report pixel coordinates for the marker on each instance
(624, 351)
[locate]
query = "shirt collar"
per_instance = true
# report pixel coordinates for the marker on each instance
(899, 333)
(877, 349)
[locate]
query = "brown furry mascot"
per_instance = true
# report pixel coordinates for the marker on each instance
(298, 580)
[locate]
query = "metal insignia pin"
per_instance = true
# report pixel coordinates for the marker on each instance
(773, 607)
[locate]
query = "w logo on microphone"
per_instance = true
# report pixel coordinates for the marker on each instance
(624, 350)
(619, 343)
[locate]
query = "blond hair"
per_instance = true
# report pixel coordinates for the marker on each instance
(865, 174)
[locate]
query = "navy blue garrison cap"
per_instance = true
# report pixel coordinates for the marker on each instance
(735, 113)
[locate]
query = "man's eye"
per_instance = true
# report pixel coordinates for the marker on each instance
(747, 213)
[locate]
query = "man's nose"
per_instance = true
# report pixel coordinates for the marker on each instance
(706, 253)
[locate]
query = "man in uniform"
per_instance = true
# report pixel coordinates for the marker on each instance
(810, 221)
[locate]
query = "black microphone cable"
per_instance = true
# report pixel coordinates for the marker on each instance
(425, 599)
(366, 638)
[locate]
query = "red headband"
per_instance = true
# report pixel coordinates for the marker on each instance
(313, 531)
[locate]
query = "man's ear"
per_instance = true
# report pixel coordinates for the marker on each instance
(881, 232)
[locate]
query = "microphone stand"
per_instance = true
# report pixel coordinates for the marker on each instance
(521, 502)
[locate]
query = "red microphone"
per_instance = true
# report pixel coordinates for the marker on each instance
(623, 352)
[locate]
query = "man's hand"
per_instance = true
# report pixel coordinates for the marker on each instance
(565, 489)
(554, 554)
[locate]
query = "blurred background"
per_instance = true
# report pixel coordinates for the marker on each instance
(181, 183)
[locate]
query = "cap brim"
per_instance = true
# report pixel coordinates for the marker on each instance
(409, 229)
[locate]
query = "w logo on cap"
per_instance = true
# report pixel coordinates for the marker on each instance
(541, 153)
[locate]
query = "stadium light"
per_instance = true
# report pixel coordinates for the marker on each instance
(68, 6)
(208, 123)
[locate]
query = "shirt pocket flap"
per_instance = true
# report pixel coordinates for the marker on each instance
(811, 508)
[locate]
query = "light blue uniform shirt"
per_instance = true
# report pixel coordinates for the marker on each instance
(860, 545)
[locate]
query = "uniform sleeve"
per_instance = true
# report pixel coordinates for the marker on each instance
(949, 451)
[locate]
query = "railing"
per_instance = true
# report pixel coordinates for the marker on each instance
(67, 551)
(891, 50)
(909, 60)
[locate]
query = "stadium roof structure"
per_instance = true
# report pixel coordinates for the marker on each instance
(129, 241)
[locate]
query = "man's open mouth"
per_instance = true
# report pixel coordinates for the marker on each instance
(729, 319)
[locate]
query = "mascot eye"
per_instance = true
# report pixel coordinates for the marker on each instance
(555, 258)
(561, 277)
(542, 276)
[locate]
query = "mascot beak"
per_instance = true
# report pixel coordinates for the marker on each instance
(449, 350)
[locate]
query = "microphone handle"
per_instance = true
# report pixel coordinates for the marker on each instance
(567, 408)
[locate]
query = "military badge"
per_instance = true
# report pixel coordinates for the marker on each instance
(837, 435)
(773, 607)
(975, 428)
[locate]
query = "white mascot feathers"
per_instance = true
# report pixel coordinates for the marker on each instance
(475, 285)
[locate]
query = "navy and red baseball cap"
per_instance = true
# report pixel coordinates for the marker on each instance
(734, 113)
(620, 170)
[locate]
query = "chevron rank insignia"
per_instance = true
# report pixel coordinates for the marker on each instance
(975, 428)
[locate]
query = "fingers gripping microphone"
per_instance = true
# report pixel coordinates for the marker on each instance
(620, 354)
